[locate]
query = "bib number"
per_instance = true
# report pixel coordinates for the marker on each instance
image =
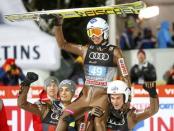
(97, 71)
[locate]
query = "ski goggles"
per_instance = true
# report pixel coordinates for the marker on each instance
(94, 32)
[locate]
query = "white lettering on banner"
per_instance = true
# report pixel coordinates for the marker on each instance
(169, 91)
(15, 92)
(140, 91)
(2, 93)
(14, 121)
(18, 119)
(31, 127)
(22, 119)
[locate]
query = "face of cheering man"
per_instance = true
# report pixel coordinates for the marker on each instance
(117, 100)
(52, 90)
(141, 57)
(97, 39)
(98, 30)
(65, 94)
(66, 91)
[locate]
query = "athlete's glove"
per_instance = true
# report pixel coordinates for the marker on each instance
(150, 87)
(30, 78)
(96, 111)
(57, 18)
(149, 74)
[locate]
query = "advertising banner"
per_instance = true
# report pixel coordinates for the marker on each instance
(31, 51)
(25, 41)
(164, 119)
(19, 120)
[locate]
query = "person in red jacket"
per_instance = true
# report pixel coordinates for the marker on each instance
(10, 73)
(3, 118)
(49, 109)
(37, 122)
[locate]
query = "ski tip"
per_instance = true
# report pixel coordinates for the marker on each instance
(7, 17)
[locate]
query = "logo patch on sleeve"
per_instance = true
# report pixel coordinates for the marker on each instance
(122, 67)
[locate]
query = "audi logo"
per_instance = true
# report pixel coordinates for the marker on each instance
(98, 56)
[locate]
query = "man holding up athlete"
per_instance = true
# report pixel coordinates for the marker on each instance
(100, 62)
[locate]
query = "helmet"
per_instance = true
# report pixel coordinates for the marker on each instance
(99, 24)
(119, 87)
(68, 83)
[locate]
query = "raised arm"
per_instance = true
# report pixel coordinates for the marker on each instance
(119, 60)
(150, 87)
(22, 98)
(62, 43)
(24, 104)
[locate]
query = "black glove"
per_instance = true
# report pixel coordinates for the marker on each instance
(57, 18)
(30, 78)
(149, 74)
(150, 87)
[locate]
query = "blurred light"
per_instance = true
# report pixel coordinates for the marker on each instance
(149, 12)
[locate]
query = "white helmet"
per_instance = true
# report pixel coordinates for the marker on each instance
(98, 22)
(119, 87)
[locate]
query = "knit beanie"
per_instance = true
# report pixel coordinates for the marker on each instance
(50, 80)
(68, 83)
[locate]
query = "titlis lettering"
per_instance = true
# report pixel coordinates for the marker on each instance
(116, 10)
(22, 52)
(99, 56)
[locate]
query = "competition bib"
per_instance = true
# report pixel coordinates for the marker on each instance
(98, 75)
(98, 71)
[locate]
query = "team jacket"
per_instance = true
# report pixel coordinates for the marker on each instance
(49, 111)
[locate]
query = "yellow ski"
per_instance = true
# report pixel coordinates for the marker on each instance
(120, 9)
